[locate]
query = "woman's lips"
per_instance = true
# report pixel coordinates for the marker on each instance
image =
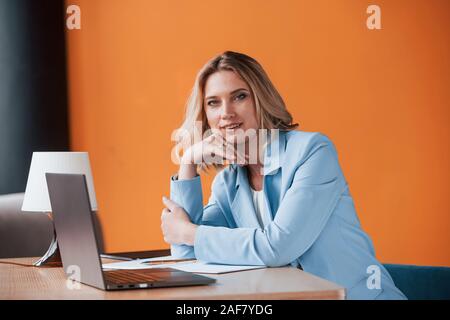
(232, 127)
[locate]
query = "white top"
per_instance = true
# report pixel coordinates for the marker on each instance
(260, 207)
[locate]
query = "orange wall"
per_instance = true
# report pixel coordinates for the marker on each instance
(382, 96)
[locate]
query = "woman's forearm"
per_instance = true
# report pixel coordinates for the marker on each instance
(187, 171)
(188, 168)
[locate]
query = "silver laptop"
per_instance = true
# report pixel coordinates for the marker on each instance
(77, 242)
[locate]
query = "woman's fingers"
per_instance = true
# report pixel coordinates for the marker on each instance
(164, 213)
(171, 205)
(232, 152)
(213, 149)
(223, 152)
(218, 149)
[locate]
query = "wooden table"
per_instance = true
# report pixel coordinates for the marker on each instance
(22, 282)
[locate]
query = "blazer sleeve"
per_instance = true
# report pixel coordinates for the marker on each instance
(188, 194)
(303, 212)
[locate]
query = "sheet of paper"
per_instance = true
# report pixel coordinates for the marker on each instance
(202, 267)
(128, 265)
(189, 266)
(141, 263)
(165, 258)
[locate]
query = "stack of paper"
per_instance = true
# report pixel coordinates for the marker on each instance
(193, 266)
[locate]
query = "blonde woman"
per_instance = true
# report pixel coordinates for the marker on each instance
(290, 206)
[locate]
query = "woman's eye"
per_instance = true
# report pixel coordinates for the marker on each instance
(241, 96)
(212, 103)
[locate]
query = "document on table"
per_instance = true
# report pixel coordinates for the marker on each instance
(212, 268)
(143, 263)
(193, 266)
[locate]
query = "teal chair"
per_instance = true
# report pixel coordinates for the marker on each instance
(421, 282)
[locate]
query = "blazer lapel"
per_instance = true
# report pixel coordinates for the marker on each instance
(242, 207)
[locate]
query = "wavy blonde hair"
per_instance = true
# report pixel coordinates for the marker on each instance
(271, 111)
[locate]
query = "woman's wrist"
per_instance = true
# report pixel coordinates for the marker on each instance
(187, 171)
(189, 235)
(188, 168)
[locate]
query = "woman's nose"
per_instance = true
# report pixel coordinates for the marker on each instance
(227, 110)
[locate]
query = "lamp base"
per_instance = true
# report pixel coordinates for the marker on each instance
(52, 257)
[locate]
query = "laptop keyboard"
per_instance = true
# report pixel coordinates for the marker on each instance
(131, 276)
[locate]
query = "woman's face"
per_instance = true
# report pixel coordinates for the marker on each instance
(229, 104)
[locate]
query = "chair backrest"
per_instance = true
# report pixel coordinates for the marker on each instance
(22, 234)
(421, 282)
(27, 234)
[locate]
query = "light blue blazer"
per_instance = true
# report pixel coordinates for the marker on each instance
(314, 223)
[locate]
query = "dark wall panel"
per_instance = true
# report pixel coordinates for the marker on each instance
(33, 91)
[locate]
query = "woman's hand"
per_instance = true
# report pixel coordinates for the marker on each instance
(211, 150)
(176, 226)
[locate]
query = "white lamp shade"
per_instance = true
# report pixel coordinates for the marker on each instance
(36, 193)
